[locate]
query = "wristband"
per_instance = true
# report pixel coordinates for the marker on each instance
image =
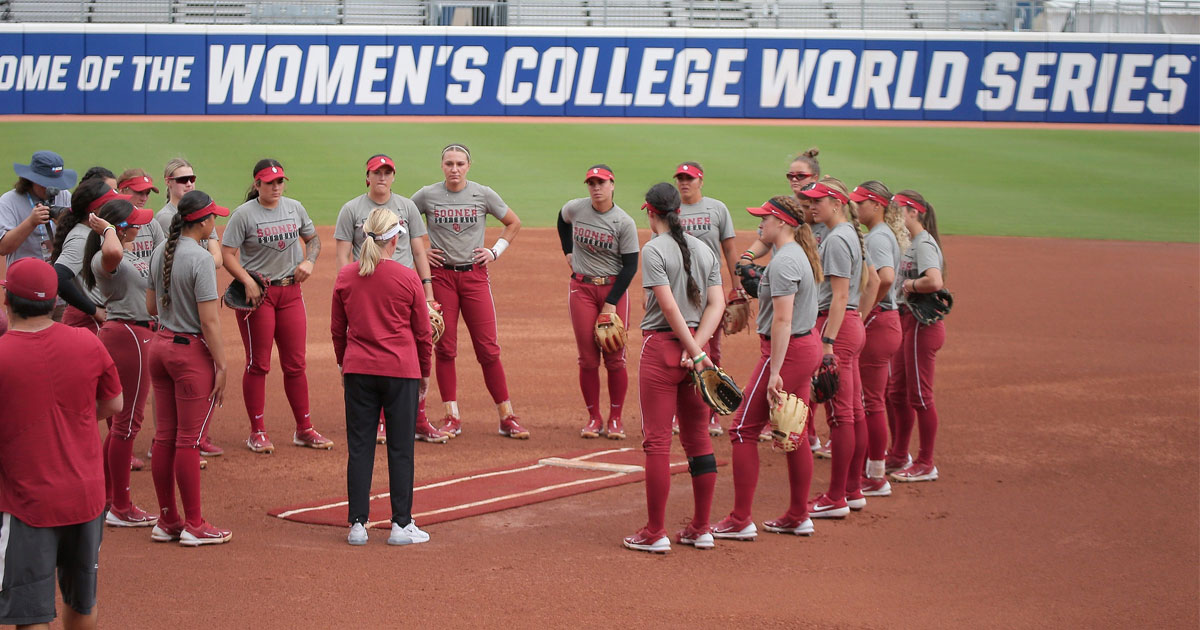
(105, 231)
(748, 254)
(426, 280)
(827, 340)
(499, 247)
(700, 358)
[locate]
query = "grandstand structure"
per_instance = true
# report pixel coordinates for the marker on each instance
(1127, 16)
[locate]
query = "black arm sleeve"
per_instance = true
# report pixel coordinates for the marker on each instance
(629, 265)
(70, 293)
(564, 235)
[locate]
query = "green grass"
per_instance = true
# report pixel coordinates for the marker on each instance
(1116, 184)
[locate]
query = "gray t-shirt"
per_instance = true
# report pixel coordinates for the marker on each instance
(14, 209)
(457, 220)
(709, 221)
(841, 256)
(353, 216)
(883, 251)
(193, 280)
(167, 214)
(270, 240)
(599, 238)
(149, 237)
(924, 254)
(71, 257)
(819, 231)
(789, 273)
(662, 265)
(124, 289)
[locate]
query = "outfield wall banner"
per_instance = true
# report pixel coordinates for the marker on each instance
(756, 73)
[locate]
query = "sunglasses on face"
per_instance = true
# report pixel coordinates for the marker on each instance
(184, 179)
(795, 177)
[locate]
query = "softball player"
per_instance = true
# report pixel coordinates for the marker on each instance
(410, 252)
(601, 245)
(787, 312)
(846, 280)
(708, 220)
(264, 236)
(120, 275)
(921, 270)
(680, 318)
(886, 238)
(187, 367)
(456, 211)
(70, 237)
(181, 179)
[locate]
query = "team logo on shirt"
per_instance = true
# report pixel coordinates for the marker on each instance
(691, 225)
(594, 240)
(278, 235)
(142, 247)
(457, 219)
(142, 266)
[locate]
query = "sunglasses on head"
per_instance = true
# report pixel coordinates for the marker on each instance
(794, 176)
(184, 179)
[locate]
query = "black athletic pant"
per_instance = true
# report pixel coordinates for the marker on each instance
(366, 395)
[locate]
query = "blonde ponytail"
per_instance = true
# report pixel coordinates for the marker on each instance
(850, 211)
(380, 222)
(804, 236)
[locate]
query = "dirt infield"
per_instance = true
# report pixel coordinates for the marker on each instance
(1068, 498)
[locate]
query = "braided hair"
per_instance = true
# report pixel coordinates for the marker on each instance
(85, 193)
(252, 193)
(116, 211)
(803, 235)
(189, 203)
(664, 198)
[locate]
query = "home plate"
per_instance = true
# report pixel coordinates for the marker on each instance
(493, 490)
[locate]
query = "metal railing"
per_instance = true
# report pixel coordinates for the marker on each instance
(1128, 16)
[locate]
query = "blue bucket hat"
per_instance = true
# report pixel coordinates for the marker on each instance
(46, 169)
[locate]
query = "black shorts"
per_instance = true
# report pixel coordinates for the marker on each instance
(30, 557)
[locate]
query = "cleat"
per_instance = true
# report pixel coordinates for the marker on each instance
(208, 449)
(131, 517)
(203, 463)
(674, 426)
(785, 525)
(824, 452)
(855, 500)
(511, 427)
(765, 435)
(698, 538)
(310, 438)
(260, 443)
(205, 534)
(428, 433)
(714, 426)
(164, 532)
(645, 540)
(451, 425)
(614, 430)
(916, 472)
(893, 464)
(876, 487)
(824, 507)
(731, 529)
(136, 464)
(593, 429)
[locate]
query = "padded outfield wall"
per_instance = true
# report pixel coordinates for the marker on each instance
(757, 73)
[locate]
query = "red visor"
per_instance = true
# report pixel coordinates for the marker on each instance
(902, 201)
(270, 174)
(770, 209)
(141, 183)
(140, 216)
(690, 171)
(862, 194)
(111, 195)
(647, 206)
(380, 161)
(598, 173)
(211, 208)
(819, 190)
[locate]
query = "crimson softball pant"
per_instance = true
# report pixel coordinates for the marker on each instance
(76, 318)
(845, 415)
(468, 293)
(802, 358)
(183, 373)
(883, 339)
(367, 396)
(280, 320)
(583, 304)
(910, 392)
(129, 346)
(665, 391)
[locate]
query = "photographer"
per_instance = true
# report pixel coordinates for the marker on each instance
(26, 221)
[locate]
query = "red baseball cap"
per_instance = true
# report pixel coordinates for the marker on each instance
(771, 209)
(270, 174)
(690, 170)
(380, 161)
(211, 208)
(862, 194)
(32, 279)
(140, 183)
(902, 200)
(111, 195)
(599, 173)
(818, 190)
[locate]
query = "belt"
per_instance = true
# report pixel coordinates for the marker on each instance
(826, 311)
(885, 310)
(466, 267)
(795, 336)
(596, 280)
(149, 323)
(284, 282)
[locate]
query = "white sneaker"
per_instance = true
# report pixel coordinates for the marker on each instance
(358, 535)
(408, 535)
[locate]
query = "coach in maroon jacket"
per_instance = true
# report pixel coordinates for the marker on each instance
(382, 340)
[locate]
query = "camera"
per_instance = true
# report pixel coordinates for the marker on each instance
(57, 212)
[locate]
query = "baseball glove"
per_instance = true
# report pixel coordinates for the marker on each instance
(825, 381)
(718, 390)
(235, 293)
(930, 307)
(737, 312)
(437, 325)
(610, 332)
(749, 274)
(787, 423)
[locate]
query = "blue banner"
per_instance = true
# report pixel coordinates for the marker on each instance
(760, 73)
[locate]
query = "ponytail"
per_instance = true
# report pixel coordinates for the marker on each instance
(664, 199)
(114, 212)
(928, 220)
(850, 211)
(804, 236)
(85, 193)
(189, 203)
(380, 222)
